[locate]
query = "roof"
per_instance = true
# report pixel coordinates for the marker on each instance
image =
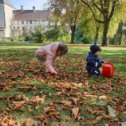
(31, 15)
(8, 2)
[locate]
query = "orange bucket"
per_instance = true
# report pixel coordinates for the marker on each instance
(107, 70)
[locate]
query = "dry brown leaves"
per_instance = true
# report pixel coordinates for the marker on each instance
(50, 114)
(72, 87)
(94, 121)
(7, 121)
(18, 102)
(76, 113)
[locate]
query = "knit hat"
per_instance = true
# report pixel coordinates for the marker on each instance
(95, 48)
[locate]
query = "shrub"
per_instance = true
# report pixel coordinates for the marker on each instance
(52, 33)
(37, 37)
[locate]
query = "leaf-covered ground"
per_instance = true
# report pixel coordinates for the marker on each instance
(29, 97)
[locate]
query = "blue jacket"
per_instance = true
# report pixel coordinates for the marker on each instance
(93, 62)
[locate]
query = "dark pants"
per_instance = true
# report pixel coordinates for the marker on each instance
(93, 70)
(41, 59)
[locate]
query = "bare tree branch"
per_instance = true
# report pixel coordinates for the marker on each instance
(113, 8)
(97, 7)
(92, 11)
(101, 4)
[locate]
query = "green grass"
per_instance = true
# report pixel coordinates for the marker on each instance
(19, 57)
(114, 54)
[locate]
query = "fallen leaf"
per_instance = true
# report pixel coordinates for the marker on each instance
(75, 100)
(36, 100)
(112, 112)
(7, 121)
(17, 104)
(66, 103)
(91, 96)
(75, 113)
(90, 110)
(94, 121)
(52, 112)
(42, 118)
(47, 109)
(29, 122)
(102, 97)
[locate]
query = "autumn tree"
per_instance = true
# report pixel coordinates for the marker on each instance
(120, 18)
(97, 29)
(107, 9)
(68, 12)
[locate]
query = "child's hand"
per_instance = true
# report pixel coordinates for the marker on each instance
(54, 72)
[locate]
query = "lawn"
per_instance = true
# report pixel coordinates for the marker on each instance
(29, 97)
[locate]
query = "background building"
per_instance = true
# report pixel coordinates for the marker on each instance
(6, 17)
(14, 22)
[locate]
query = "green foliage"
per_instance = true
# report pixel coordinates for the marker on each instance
(27, 37)
(17, 38)
(12, 39)
(79, 35)
(112, 41)
(65, 38)
(68, 13)
(88, 25)
(120, 36)
(86, 40)
(38, 34)
(37, 37)
(57, 33)
(106, 11)
(52, 33)
(80, 38)
(5, 40)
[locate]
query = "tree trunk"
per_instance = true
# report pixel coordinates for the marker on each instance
(120, 39)
(97, 34)
(105, 33)
(121, 31)
(73, 29)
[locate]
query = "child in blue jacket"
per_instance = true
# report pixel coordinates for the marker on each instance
(93, 61)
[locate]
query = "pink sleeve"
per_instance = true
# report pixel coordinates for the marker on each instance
(52, 49)
(49, 64)
(51, 55)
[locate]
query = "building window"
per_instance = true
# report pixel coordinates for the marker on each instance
(35, 22)
(27, 22)
(30, 22)
(30, 28)
(22, 22)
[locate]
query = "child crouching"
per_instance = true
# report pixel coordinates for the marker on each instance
(49, 53)
(93, 61)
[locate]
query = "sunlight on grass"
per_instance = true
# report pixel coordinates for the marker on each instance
(19, 47)
(112, 53)
(114, 48)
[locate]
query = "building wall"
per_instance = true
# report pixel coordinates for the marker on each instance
(2, 16)
(8, 19)
(18, 26)
(2, 21)
(2, 34)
